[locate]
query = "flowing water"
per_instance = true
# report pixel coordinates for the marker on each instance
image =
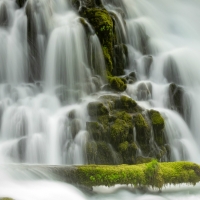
(38, 104)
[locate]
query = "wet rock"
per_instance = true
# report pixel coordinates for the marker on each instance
(128, 152)
(144, 91)
(117, 84)
(96, 81)
(4, 18)
(171, 71)
(121, 102)
(99, 3)
(103, 25)
(142, 129)
(158, 125)
(20, 3)
(147, 60)
(96, 130)
(106, 87)
(75, 127)
(101, 153)
(97, 108)
(176, 98)
(75, 4)
(72, 114)
(131, 78)
(120, 60)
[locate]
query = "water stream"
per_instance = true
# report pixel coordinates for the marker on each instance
(36, 103)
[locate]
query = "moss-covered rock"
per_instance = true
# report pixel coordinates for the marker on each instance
(142, 129)
(97, 108)
(119, 132)
(158, 125)
(117, 84)
(101, 153)
(120, 59)
(128, 152)
(96, 130)
(75, 127)
(121, 102)
(102, 23)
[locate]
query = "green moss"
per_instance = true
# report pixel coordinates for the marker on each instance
(117, 83)
(124, 116)
(119, 132)
(127, 104)
(97, 108)
(101, 153)
(91, 152)
(122, 102)
(156, 120)
(158, 125)
(103, 25)
(140, 160)
(142, 129)
(128, 152)
(96, 130)
(6, 198)
(151, 174)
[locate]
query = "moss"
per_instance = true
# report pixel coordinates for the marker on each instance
(100, 153)
(119, 132)
(91, 152)
(103, 25)
(127, 104)
(128, 152)
(6, 198)
(151, 174)
(117, 84)
(124, 116)
(140, 159)
(142, 129)
(97, 108)
(158, 125)
(156, 120)
(96, 130)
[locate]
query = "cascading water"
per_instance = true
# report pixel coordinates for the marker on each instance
(35, 124)
(45, 69)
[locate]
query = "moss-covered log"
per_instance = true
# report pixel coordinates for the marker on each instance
(151, 174)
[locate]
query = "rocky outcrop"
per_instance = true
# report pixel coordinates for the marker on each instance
(113, 121)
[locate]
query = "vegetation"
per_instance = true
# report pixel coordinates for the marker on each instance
(152, 174)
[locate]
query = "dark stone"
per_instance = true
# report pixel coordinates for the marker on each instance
(20, 3)
(75, 127)
(95, 130)
(176, 98)
(4, 18)
(97, 108)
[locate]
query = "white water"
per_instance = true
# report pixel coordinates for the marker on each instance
(35, 117)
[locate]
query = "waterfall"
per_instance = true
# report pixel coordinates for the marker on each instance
(52, 65)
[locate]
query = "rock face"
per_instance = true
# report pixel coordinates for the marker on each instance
(20, 3)
(104, 24)
(113, 121)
